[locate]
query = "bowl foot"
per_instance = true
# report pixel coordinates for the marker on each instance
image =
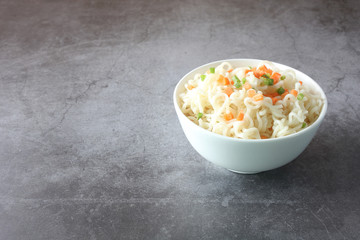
(242, 172)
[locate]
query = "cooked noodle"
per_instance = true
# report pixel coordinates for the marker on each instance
(206, 102)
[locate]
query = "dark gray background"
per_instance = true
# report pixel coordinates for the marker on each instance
(90, 145)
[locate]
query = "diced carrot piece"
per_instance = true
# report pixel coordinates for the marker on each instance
(274, 100)
(258, 97)
(248, 70)
(230, 70)
(190, 87)
(258, 73)
(300, 82)
(276, 76)
(228, 116)
(228, 91)
(294, 92)
(220, 80)
(247, 86)
(264, 69)
(264, 137)
(232, 82)
(223, 80)
(251, 92)
(241, 115)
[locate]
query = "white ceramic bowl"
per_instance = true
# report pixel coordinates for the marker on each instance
(242, 155)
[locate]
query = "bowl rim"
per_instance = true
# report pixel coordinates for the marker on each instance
(284, 138)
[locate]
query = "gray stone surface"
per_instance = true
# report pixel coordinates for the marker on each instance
(90, 146)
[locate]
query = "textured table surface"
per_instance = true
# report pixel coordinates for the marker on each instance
(90, 145)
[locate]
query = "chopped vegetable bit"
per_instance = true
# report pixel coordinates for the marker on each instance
(248, 70)
(303, 125)
(283, 77)
(237, 82)
(294, 92)
(276, 77)
(268, 81)
(223, 80)
(260, 71)
(300, 96)
(243, 80)
(203, 77)
(280, 90)
(265, 69)
(247, 86)
(266, 75)
(230, 70)
(235, 78)
(263, 137)
(199, 115)
(250, 67)
(228, 116)
(227, 82)
(228, 91)
(212, 70)
(241, 115)
(300, 82)
(258, 97)
(190, 87)
(251, 92)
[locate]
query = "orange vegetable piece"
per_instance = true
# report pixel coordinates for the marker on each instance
(228, 91)
(190, 87)
(294, 92)
(258, 97)
(264, 137)
(247, 86)
(276, 76)
(230, 70)
(248, 70)
(258, 73)
(241, 115)
(274, 100)
(223, 80)
(264, 69)
(261, 71)
(220, 79)
(232, 82)
(228, 116)
(300, 82)
(251, 92)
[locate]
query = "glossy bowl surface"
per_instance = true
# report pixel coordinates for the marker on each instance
(244, 155)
